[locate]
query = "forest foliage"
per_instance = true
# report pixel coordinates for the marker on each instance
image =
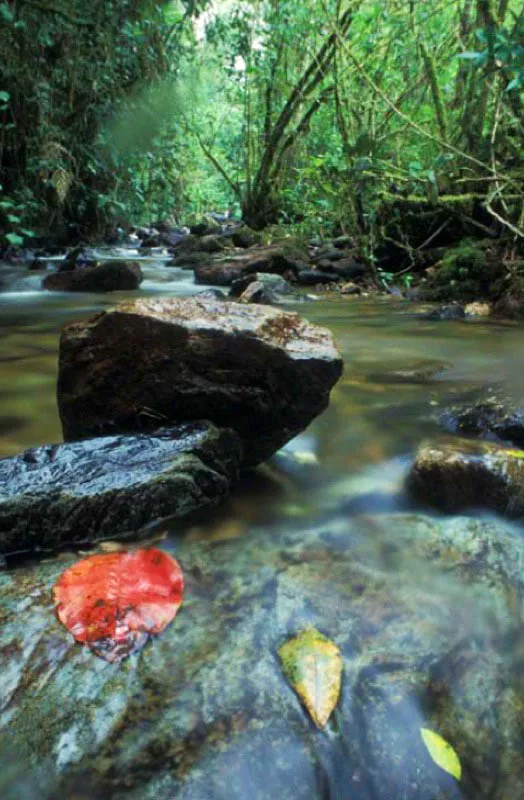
(394, 120)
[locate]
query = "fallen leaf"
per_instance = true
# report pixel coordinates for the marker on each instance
(313, 666)
(442, 753)
(514, 453)
(115, 601)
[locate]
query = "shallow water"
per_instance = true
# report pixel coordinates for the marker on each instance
(379, 412)
(400, 372)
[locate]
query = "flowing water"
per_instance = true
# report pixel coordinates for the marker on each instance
(384, 405)
(400, 372)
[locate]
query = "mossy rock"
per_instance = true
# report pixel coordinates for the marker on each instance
(465, 273)
(461, 474)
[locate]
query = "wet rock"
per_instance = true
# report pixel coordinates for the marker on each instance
(264, 288)
(451, 312)
(348, 268)
(461, 474)
(213, 244)
(342, 242)
(110, 276)
(274, 259)
(255, 293)
(151, 242)
(266, 373)
(212, 294)
(425, 614)
(350, 288)
(85, 491)
(78, 257)
(313, 277)
(188, 260)
(329, 254)
(218, 274)
(244, 237)
(206, 227)
(492, 417)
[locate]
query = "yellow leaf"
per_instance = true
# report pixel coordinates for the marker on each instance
(514, 453)
(442, 753)
(313, 666)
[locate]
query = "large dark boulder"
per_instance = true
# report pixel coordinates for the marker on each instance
(108, 277)
(264, 372)
(427, 618)
(100, 488)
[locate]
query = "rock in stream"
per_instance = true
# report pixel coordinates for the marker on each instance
(104, 488)
(457, 474)
(265, 373)
(109, 277)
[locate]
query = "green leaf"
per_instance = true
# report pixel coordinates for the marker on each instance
(4, 97)
(6, 13)
(442, 753)
(516, 83)
(14, 238)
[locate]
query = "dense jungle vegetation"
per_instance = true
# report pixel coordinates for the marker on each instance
(399, 122)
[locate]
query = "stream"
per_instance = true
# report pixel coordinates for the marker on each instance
(427, 610)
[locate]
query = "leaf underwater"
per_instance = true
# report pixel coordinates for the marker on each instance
(442, 753)
(115, 601)
(312, 664)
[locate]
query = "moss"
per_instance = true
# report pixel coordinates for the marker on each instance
(467, 272)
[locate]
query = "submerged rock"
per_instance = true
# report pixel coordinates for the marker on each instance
(85, 491)
(417, 372)
(447, 313)
(266, 373)
(460, 474)
(108, 277)
(425, 615)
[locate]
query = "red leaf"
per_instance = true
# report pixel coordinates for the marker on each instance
(113, 602)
